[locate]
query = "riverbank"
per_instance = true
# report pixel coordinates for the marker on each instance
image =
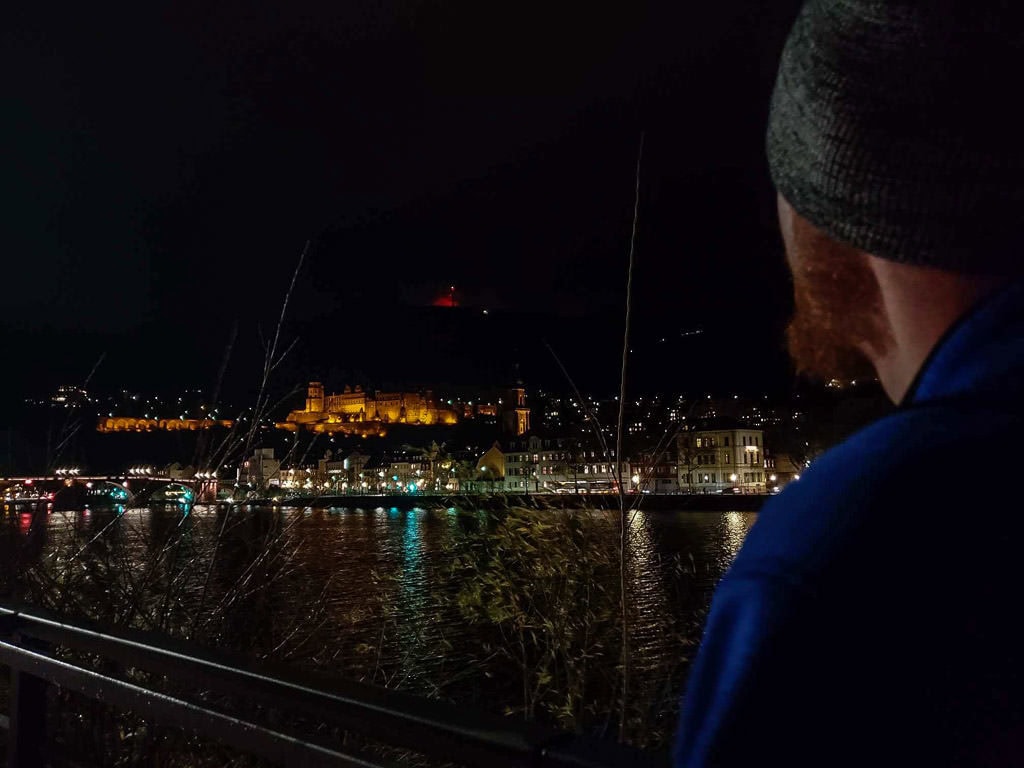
(650, 502)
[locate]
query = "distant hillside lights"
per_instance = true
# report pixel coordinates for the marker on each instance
(358, 412)
(129, 424)
(70, 396)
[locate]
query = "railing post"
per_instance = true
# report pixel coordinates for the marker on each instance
(26, 739)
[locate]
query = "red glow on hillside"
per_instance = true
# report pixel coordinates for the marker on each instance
(446, 299)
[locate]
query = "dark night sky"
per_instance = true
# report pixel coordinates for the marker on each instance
(166, 163)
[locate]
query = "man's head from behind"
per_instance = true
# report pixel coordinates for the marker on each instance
(893, 143)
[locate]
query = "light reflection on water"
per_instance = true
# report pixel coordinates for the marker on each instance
(736, 525)
(357, 577)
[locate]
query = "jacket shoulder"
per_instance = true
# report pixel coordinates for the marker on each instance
(879, 475)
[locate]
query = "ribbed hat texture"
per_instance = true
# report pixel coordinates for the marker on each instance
(898, 128)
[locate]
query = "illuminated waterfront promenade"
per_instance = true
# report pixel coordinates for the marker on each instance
(137, 490)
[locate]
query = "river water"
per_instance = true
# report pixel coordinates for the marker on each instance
(354, 592)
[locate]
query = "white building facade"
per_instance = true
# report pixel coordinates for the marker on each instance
(261, 469)
(722, 461)
(536, 464)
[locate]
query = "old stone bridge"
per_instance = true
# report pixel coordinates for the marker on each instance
(78, 491)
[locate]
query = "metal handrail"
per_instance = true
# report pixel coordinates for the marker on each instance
(31, 639)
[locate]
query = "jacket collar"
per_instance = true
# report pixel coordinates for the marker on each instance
(981, 354)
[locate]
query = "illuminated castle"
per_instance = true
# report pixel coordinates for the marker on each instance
(358, 412)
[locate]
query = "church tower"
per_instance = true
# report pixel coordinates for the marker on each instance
(515, 412)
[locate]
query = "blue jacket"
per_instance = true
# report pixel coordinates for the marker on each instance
(875, 613)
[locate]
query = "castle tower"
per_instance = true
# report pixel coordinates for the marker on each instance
(315, 397)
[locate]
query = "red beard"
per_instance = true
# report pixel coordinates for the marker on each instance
(838, 312)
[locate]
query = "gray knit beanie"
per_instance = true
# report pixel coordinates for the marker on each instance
(898, 128)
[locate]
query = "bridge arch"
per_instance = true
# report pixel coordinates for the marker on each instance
(173, 492)
(107, 491)
(92, 493)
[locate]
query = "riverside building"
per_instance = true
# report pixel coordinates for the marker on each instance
(721, 460)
